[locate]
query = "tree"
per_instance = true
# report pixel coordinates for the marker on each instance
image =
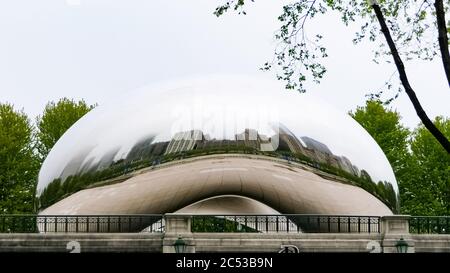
(297, 56)
(18, 163)
(420, 164)
(427, 192)
(56, 120)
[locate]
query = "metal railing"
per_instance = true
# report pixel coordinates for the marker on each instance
(290, 223)
(155, 223)
(429, 224)
(81, 223)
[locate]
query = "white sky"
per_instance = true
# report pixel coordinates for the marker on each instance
(97, 49)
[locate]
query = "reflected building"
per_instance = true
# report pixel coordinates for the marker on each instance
(184, 141)
(289, 142)
(315, 145)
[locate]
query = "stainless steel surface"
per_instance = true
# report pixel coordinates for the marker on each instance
(213, 115)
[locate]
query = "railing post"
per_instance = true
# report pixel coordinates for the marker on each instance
(287, 224)
(394, 228)
(277, 222)
(447, 226)
(35, 224)
(339, 224)
(245, 223)
(151, 221)
(178, 226)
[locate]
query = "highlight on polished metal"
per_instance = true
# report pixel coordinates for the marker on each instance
(169, 147)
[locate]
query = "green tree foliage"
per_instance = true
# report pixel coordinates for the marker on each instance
(56, 120)
(18, 162)
(428, 189)
(420, 164)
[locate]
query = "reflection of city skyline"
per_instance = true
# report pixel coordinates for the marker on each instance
(83, 171)
(196, 140)
(284, 140)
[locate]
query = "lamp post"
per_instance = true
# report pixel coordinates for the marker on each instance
(402, 246)
(180, 245)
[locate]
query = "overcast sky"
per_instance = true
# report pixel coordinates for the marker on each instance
(97, 49)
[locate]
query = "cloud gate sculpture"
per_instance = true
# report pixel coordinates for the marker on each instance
(216, 145)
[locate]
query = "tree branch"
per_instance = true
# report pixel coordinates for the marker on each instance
(443, 37)
(405, 82)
